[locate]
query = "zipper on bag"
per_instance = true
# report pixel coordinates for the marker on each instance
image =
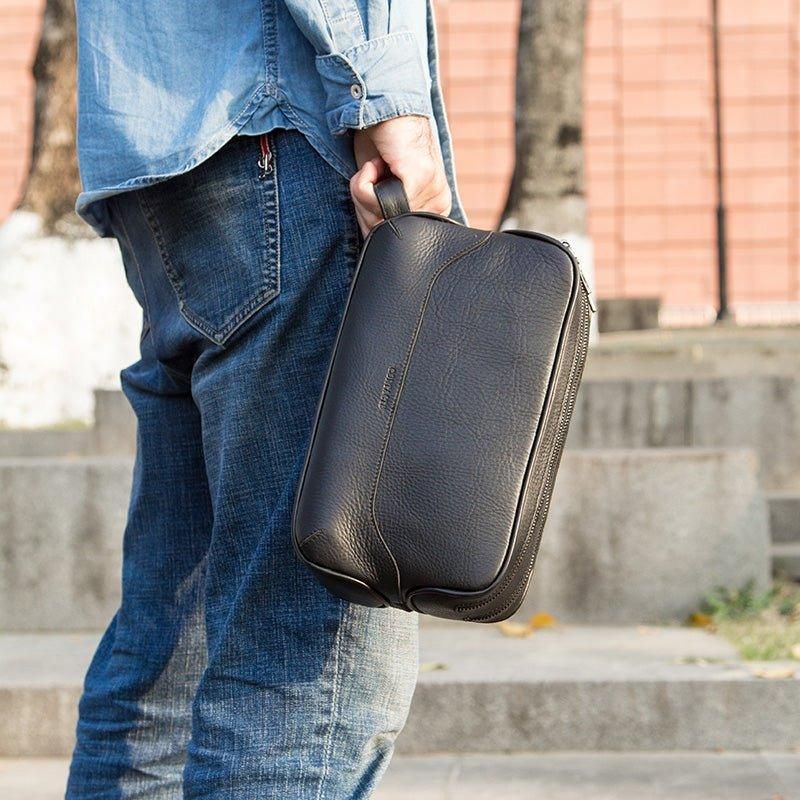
(530, 544)
(589, 294)
(265, 163)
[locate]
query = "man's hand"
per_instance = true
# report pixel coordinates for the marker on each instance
(404, 147)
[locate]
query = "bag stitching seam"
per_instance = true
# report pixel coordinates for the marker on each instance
(406, 363)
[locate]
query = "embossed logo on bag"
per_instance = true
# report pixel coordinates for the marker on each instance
(386, 389)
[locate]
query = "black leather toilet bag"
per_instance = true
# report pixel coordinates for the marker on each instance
(443, 416)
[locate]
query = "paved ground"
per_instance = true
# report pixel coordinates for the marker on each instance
(557, 776)
(595, 776)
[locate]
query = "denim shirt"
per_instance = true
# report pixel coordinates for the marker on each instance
(163, 85)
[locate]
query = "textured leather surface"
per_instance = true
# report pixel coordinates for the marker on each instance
(392, 197)
(440, 425)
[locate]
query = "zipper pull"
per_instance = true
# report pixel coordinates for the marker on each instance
(265, 165)
(589, 294)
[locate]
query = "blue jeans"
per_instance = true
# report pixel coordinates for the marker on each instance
(228, 671)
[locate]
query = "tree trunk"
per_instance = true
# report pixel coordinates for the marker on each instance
(547, 190)
(53, 182)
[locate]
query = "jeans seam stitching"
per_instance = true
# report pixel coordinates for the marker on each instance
(138, 271)
(249, 308)
(321, 791)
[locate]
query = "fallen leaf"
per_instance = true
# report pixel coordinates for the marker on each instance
(796, 651)
(698, 661)
(700, 620)
(542, 620)
(514, 629)
(774, 673)
(431, 666)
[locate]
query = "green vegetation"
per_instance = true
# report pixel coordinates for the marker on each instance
(763, 626)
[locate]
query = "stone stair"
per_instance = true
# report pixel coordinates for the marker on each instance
(784, 523)
(710, 352)
(618, 548)
(580, 689)
(524, 776)
(666, 422)
(760, 412)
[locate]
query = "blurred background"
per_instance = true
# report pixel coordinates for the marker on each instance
(658, 652)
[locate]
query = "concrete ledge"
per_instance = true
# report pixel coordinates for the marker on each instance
(633, 536)
(522, 776)
(113, 434)
(622, 689)
(784, 517)
(45, 443)
(759, 412)
(61, 524)
(627, 313)
(642, 535)
(786, 560)
(114, 431)
(590, 776)
(594, 689)
(696, 352)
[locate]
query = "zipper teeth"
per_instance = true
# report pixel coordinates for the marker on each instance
(545, 499)
(265, 162)
(561, 433)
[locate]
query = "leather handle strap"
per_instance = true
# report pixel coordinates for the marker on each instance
(392, 197)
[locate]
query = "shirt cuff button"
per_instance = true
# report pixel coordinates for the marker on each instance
(356, 91)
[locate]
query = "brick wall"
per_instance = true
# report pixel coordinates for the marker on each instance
(648, 133)
(19, 33)
(478, 50)
(650, 150)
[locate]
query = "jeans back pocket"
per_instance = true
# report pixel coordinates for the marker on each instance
(217, 230)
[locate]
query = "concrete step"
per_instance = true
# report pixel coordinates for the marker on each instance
(643, 535)
(45, 443)
(524, 776)
(633, 536)
(581, 689)
(595, 689)
(594, 776)
(114, 424)
(639, 408)
(699, 352)
(61, 524)
(784, 517)
(646, 405)
(759, 412)
(112, 434)
(786, 560)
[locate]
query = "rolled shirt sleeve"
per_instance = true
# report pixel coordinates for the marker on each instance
(373, 79)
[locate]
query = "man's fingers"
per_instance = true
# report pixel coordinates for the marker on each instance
(423, 179)
(408, 149)
(427, 189)
(362, 190)
(362, 186)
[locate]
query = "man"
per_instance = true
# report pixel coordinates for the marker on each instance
(232, 146)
